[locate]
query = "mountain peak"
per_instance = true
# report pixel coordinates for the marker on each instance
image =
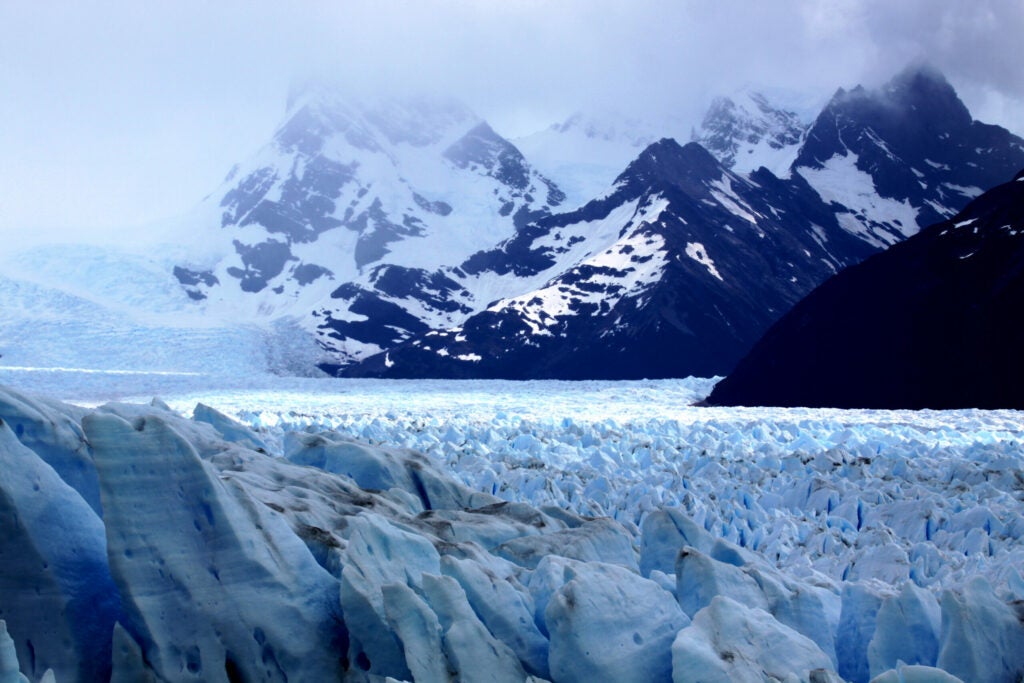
(921, 72)
(919, 91)
(749, 129)
(666, 162)
(925, 85)
(482, 147)
(663, 146)
(317, 110)
(667, 155)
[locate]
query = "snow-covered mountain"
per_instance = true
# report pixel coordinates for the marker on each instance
(348, 215)
(933, 322)
(904, 156)
(749, 130)
(682, 265)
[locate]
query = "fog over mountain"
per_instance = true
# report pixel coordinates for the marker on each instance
(120, 114)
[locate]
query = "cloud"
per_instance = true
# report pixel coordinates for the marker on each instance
(120, 112)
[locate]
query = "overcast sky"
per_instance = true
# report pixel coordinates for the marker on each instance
(121, 112)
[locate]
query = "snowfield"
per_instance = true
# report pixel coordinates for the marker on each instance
(269, 528)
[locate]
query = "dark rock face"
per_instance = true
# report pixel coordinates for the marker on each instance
(485, 148)
(306, 205)
(381, 320)
(192, 279)
(933, 322)
(376, 231)
(433, 289)
(262, 261)
(309, 272)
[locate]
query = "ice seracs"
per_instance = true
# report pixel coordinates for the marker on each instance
(325, 554)
(729, 641)
(56, 593)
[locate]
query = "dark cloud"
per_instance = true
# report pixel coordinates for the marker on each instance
(120, 112)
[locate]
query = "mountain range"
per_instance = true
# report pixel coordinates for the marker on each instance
(407, 238)
(684, 263)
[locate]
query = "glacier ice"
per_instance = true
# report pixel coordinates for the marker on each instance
(417, 546)
(9, 671)
(982, 636)
(915, 673)
(505, 608)
(907, 628)
(379, 554)
(213, 585)
(51, 430)
(597, 540)
(608, 623)
(473, 652)
(56, 592)
(729, 642)
(418, 630)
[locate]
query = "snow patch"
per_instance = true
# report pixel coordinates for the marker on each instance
(698, 253)
(728, 198)
(968, 191)
(878, 220)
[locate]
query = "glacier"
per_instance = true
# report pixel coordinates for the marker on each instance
(359, 530)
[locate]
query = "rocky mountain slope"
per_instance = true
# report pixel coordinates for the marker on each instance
(748, 130)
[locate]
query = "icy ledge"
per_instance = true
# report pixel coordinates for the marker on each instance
(335, 559)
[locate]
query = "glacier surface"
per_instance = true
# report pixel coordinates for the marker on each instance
(365, 530)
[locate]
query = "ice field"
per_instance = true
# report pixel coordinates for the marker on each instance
(554, 530)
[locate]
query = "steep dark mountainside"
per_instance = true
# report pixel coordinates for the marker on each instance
(933, 322)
